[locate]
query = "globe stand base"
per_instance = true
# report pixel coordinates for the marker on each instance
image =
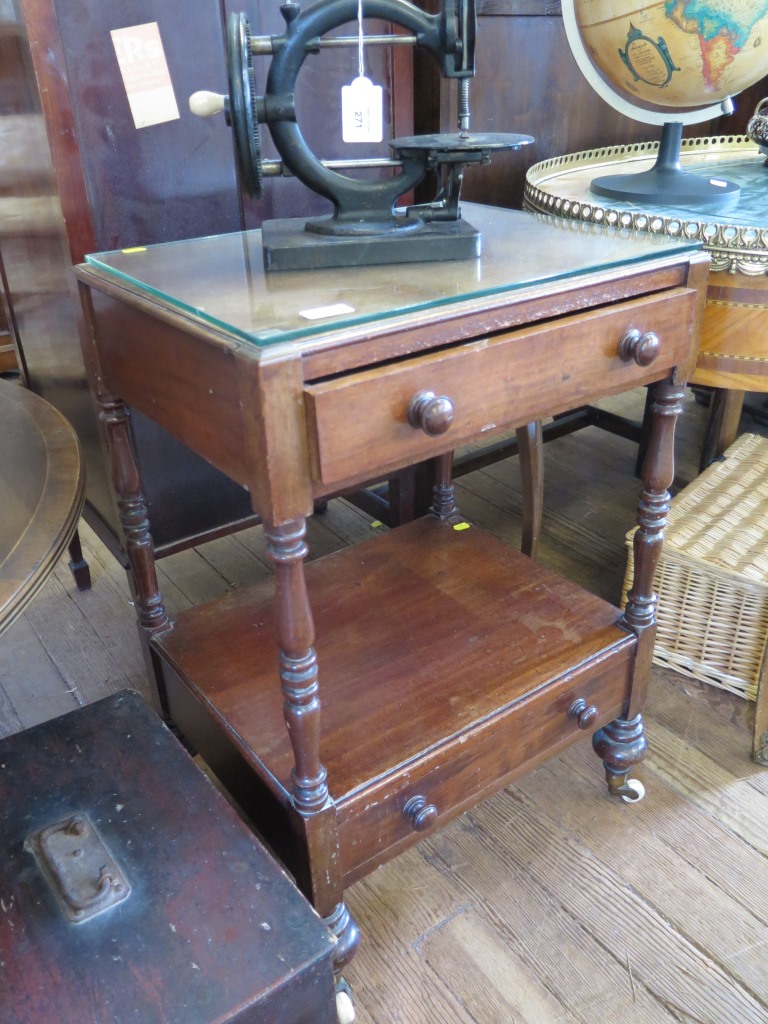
(679, 188)
(667, 183)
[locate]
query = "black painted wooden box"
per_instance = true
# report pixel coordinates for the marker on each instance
(204, 925)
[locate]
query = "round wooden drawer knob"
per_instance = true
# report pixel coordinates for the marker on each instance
(642, 348)
(432, 413)
(420, 814)
(582, 713)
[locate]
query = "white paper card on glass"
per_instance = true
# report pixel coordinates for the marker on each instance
(320, 312)
(362, 111)
(146, 78)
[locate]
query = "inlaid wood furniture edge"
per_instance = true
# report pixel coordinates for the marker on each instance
(411, 332)
(733, 248)
(54, 519)
(742, 326)
(744, 372)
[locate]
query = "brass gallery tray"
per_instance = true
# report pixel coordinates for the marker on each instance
(736, 236)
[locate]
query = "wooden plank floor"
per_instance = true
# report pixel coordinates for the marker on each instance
(549, 903)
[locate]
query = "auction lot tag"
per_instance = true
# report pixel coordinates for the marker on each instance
(145, 74)
(362, 106)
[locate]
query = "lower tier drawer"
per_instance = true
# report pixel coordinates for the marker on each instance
(395, 812)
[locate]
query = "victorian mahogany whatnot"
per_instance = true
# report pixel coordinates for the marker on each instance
(446, 662)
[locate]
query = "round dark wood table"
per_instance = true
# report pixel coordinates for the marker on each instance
(41, 494)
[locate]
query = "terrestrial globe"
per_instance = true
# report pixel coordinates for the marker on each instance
(670, 63)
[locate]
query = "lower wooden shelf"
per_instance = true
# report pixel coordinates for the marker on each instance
(448, 665)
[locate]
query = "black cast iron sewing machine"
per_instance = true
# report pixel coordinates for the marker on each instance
(365, 227)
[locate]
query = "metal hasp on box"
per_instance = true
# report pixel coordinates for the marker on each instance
(132, 891)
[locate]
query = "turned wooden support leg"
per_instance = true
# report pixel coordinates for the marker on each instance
(530, 447)
(401, 497)
(287, 548)
(645, 433)
(622, 743)
(723, 424)
(760, 732)
(443, 496)
(343, 926)
(134, 522)
(653, 505)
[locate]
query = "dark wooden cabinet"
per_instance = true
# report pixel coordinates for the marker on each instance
(195, 923)
(79, 178)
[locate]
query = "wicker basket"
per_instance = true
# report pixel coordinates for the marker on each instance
(712, 578)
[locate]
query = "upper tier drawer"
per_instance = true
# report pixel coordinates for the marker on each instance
(359, 424)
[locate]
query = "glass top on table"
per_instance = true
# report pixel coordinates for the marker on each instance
(221, 279)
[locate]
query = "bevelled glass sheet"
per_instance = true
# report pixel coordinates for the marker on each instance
(221, 279)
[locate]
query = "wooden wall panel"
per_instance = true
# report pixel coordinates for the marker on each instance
(164, 181)
(79, 177)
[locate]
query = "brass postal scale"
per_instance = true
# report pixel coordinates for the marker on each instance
(365, 226)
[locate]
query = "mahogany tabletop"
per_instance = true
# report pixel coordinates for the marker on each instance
(41, 494)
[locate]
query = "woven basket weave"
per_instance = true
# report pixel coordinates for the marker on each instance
(712, 577)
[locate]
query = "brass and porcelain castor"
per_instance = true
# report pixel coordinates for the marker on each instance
(345, 1008)
(632, 791)
(622, 744)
